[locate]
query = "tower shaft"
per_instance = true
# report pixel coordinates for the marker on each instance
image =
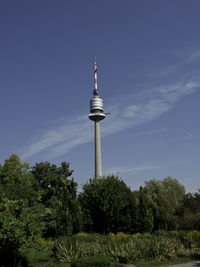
(97, 141)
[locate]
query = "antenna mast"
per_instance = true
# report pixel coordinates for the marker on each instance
(95, 92)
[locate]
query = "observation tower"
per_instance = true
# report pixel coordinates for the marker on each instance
(96, 115)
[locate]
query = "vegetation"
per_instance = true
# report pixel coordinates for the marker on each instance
(122, 248)
(57, 194)
(41, 218)
(164, 198)
(108, 205)
(92, 262)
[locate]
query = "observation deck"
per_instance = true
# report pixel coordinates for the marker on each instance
(96, 109)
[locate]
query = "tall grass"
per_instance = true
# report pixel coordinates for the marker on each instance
(119, 248)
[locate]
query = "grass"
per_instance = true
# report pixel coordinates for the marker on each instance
(42, 258)
(34, 255)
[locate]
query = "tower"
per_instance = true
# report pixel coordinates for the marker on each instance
(96, 115)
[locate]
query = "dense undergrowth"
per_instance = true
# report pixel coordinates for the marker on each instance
(158, 247)
(155, 249)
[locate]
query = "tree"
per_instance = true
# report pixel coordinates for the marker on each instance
(145, 218)
(16, 180)
(165, 197)
(108, 205)
(189, 212)
(58, 194)
(20, 213)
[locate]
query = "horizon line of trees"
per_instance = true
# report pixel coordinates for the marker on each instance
(42, 201)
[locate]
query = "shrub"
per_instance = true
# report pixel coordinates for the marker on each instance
(119, 236)
(99, 261)
(93, 237)
(19, 227)
(174, 234)
(127, 250)
(136, 235)
(161, 233)
(194, 237)
(122, 236)
(190, 239)
(146, 235)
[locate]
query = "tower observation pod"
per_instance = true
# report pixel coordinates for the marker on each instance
(96, 115)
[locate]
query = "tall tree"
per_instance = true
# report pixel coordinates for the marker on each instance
(145, 218)
(16, 180)
(165, 197)
(58, 194)
(108, 205)
(189, 212)
(20, 213)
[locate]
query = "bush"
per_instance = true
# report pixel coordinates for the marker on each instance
(129, 249)
(190, 239)
(161, 233)
(99, 261)
(92, 237)
(174, 234)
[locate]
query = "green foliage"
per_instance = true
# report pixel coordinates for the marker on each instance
(108, 205)
(160, 233)
(19, 224)
(62, 214)
(20, 216)
(145, 220)
(189, 212)
(41, 202)
(98, 261)
(16, 180)
(75, 247)
(190, 239)
(126, 249)
(164, 198)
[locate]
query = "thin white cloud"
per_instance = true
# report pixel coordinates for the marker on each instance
(121, 170)
(184, 62)
(70, 132)
(157, 131)
(131, 111)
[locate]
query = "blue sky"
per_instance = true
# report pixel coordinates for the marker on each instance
(148, 57)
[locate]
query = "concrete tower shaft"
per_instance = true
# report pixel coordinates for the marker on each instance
(97, 149)
(96, 115)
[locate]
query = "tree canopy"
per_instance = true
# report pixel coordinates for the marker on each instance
(108, 205)
(20, 212)
(35, 202)
(58, 195)
(164, 197)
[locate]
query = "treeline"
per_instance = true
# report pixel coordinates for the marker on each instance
(42, 201)
(109, 206)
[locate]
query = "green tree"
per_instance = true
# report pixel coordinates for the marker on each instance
(20, 213)
(189, 212)
(164, 197)
(16, 180)
(145, 218)
(108, 205)
(58, 194)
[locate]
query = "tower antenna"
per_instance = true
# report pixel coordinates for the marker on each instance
(95, 69)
